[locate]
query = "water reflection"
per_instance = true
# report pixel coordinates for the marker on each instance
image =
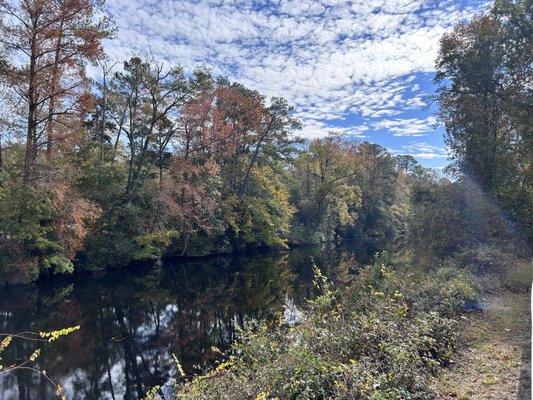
(132, 321)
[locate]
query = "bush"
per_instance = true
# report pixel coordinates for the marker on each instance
(495, 267)
(380, 338)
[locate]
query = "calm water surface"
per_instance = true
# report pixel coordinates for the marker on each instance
(133, 320)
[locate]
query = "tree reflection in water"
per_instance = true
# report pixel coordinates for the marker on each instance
(133, 320)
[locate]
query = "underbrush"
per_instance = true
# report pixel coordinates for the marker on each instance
(380, 338)
(495, 267)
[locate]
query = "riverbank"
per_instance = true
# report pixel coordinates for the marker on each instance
(403, 334)
(381, 337)
(134, 319)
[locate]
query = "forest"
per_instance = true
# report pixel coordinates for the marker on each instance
(149, 162)
(109, 164)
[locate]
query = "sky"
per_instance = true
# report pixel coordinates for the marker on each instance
(364, 68)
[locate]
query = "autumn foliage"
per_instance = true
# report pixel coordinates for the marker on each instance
(149, 161)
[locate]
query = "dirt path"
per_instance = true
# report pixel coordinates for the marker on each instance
(494, 358)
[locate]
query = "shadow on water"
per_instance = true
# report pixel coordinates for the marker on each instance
(132, 321)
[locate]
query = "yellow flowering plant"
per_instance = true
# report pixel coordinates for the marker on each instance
(28, 364)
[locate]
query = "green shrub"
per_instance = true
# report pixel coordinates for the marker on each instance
(380, 338)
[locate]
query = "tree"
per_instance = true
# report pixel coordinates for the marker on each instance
(203, 161)
(484, 73)
(325, 197)
(409, 165)
(233, 127)
(54, 39)
(146, 102)
(44, 219)
(382, 217)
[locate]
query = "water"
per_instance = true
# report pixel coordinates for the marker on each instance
(133, 320)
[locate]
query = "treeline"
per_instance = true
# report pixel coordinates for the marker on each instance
(150, 161)
(486, 102)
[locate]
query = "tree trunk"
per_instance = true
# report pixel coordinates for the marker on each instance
(53, 91)
(253, 161)
(31, 132)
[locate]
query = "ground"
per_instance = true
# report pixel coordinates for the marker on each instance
(493, 361)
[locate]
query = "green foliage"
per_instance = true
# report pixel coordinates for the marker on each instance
(484, 73)
(151, 245)
(384, 211)
(380, 338)
(264, 212)
(28, 243)
(58, 263)
(326, 199)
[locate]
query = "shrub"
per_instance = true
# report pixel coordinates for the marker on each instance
(380, 338)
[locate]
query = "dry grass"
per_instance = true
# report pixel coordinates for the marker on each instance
(494, 344)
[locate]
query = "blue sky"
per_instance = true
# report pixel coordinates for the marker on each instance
(363, 67)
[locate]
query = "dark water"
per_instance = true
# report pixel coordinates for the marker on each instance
(133, 320)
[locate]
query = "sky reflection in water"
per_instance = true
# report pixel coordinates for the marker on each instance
(133, 320)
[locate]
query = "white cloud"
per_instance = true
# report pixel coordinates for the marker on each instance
(423, 150)
(330, 58)
(316, 129)
(408, 126)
